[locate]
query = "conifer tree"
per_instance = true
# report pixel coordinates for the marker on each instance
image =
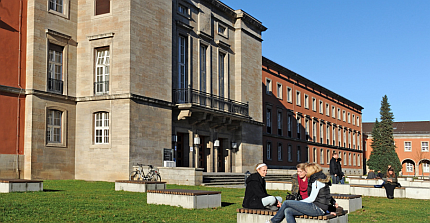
(383, 148)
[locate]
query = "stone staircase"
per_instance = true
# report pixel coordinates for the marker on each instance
(211, 179)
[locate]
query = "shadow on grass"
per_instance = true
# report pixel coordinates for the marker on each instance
(225, 204)
(49, 190)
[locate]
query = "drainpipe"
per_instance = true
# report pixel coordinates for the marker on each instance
(20, 91)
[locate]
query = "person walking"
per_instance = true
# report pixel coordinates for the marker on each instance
(334, 168)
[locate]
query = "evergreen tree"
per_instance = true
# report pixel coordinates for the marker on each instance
(383, 147)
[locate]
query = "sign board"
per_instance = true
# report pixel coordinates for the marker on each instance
(167, 154)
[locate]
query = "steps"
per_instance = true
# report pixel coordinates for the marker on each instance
(210, 179)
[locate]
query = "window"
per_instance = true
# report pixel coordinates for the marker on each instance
(358, 121)
(344, 116)
(306, 101)
(353, 119)
(358, 160)
(289, 95)
(349, 139)
(353, 140)
(354, 160)
(307, 129)
(101, 128)
(344, 159)
(55, 69)
(279, 122)
(222, 30)
(221, 74)
(269, 151)
(290, 155)
(339, 136)
(349, 159)
(307, 155)
(314, 131)
(358, 140)
(333, 112)
(56, 5)
(53, 126)
(298, 98)
(299, 154)
(289, 125)
(182, 64)
(279, 90)
(426, 167)
(344, 137)
(279, 152)
(314, 104)
(328, 135)
(334, 135)
(102, 7)
(424, 146)
(409, 167)
(408, 146)
(322, 156)
(269, 120)
(321, 133)
(203, 68)
(268, 86)
(321, 107)
(328, 156)
(299, 125)
(314, 156)
(340, 155)
(102, 71)
(182, 10)
(338, 113)
(349, 117)
(327, 109)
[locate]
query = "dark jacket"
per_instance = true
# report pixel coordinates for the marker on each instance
(323, 199)
(254, 192)
(334, 167)
(294, 184)
(371, 175)
(394, 180)
(339, 166)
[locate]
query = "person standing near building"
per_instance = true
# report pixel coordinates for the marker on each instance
(334, 168)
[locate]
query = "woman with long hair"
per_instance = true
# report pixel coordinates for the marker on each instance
(318, 202)
(390, 182)
(256, 196)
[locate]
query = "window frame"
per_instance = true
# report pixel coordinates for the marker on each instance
(321, 156)
(106, 13)
(321, 107)
(306, 101)
(289, 95)
(407, 148)
(102, 128)
(327, 109)
(333, 111)
(409, 167)
(65, 8)
(279, 151)
(290, 153)
(314, 104)
(268, 86)
(298, 98)
(424, 148)
(268, 150)
(63, 127)
(53, 78)
(269, 120)
(279, 90)
(279, 120)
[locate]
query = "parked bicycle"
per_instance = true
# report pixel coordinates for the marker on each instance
(152, 175)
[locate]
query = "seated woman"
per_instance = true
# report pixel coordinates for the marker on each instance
(390, 182)
(300, 181)
(256, 196)
(316, 204)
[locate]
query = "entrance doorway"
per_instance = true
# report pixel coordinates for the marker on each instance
(221, 157)
(180, 158)
(202, 162)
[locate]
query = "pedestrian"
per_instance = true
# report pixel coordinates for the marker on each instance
(334, 168)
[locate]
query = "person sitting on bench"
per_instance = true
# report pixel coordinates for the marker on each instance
(256, 196)
(390, 182)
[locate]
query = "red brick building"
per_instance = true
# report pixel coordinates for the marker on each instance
(305, 122)
(412, 146)
(13, 17)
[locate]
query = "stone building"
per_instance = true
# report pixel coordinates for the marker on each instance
(412, 146)
(305, 122)
(109, 84)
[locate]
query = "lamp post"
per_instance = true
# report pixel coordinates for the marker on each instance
(196, 156)
(216, 151)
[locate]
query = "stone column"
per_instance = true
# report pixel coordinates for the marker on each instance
(210, 163)
(190, 145)
(216, 151)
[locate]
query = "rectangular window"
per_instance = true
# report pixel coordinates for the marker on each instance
(279, 152)
(102, 7)
(221, 74)
(321, 107)
(344, 138)
(314, 132)
(321, 133)
(344, 116)
(268, 86)
(353, 119)
(183, 10)
(289, 125)
(182, 63)
(306, 101)
(353, 140)
(101, 128)
(299, 125)
(269, 120)
(269, 151)
(279, 90)
(55, 69)
(354, 162)
(358, 160)
(349, 117)
(425, 146)
(349, 159)
(299, 154)
(333, 112)
(349, 139)
(53, 126)
(314, 156)
(339, 136)
(314, 104)
(102, 71)
(426, 167)
(327, 109)
(289, 95)
(279, 122)
(328, 135)
(203, 67)
(222, 30)
(298, 98)
(334, 136)
(408, 146)
(307, 129)
(56, 5)
(340, 155)
(358, 121)
(338, 113)
(409, 167)
(290, 155)
(322, 156)
(328, 156)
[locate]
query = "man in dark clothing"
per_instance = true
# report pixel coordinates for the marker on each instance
(334, 169)
(371, 175)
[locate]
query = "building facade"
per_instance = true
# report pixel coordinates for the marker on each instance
(412, 146)
(305, 122)
(108, 84)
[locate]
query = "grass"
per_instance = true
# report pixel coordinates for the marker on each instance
(83, 201)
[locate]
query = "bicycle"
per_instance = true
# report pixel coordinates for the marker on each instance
(152, 175)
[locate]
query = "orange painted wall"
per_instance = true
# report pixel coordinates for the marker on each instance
(415, 155)
(12, 74)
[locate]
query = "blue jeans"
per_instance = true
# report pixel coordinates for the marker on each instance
(291, 208)
(335, 179)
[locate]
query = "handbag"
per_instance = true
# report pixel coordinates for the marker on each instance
(294, 196)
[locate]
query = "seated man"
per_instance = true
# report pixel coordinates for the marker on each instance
(371, 175)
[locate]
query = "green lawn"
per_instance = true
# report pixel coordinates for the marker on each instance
(82, 201)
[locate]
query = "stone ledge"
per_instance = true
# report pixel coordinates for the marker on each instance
(20, 185)
(192, 200)
(138, 186)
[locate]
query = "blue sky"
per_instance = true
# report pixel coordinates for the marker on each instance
(361, 50)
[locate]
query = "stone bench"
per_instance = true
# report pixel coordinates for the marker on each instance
(348, 201)
(20, 185)
(370, 190)
(191, 199)
(138, 186)
(278, 185)
(245, 215)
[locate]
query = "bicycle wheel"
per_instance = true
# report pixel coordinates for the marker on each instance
(157, 177)
(134, 175)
